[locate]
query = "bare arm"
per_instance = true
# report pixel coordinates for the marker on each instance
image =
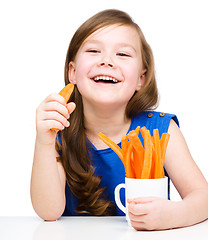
(47, 183)
(48, 176)
(188, 180)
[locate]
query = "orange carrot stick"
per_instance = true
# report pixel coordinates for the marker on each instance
(111, 144)
(135, 140)
(137, 163)
(129, 169)
(65, 93)
(138, 153)
(157, 148)
(124, 147)
(133, 157)
(137, 130)
(127, 156)
(147, 154)
(152, 173)
(164, 143)
(143, 130)
(141, 162)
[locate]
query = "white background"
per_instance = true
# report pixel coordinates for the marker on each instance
(33, 44)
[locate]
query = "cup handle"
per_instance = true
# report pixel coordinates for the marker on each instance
(117, 197)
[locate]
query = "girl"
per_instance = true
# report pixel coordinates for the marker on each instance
(74, 173)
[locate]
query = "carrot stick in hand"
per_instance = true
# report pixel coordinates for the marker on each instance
(67, 91)
(66, 94)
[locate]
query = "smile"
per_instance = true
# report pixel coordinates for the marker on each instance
(105, 79)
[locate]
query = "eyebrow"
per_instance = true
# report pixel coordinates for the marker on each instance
(127, 45)
(91, 41)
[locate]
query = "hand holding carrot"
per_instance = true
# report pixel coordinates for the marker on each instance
(53, 114)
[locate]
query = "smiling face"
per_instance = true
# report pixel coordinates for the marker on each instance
(108, 67)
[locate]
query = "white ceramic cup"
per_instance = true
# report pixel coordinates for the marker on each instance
(141, 188)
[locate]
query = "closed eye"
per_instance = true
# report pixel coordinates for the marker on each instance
(123, 54)
(93, 51)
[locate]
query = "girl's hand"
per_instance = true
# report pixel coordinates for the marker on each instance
(151, 213)
(52, 113)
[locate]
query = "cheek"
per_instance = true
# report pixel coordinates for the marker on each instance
(81, 75)
(131, 74)
(83, 67)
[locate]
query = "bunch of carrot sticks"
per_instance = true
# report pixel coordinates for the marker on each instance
(141, 162)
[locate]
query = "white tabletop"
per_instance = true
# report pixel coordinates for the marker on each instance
(75, 228)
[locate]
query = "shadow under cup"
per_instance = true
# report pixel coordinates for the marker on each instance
(141, 188)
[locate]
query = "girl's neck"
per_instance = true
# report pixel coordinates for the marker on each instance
(110, 121)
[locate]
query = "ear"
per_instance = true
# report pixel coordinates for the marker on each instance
(141, 80)
(71, 73)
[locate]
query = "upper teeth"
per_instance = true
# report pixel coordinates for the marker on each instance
(105, 78)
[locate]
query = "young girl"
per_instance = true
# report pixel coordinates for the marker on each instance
(74, 173)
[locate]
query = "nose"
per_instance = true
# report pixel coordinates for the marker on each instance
(107, 62)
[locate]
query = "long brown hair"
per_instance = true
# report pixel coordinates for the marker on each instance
(82, 181)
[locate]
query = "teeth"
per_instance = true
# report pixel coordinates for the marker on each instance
(105, 78)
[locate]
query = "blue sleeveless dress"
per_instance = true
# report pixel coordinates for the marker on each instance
(110, 167)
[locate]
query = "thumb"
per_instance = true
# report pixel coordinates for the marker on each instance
(71, 106)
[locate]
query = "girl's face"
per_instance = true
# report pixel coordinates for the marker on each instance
(108, 67)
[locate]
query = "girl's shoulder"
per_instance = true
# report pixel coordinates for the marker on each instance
(154, 120)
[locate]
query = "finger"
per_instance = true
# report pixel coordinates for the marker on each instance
(53, 124)
(71, 106)
(138, 209)
(130, 200)
(53, 115)
(142, 200)
(56, 97)
(137, 218)
(56, 106)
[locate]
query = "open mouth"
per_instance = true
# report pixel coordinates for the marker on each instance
(105, 79)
